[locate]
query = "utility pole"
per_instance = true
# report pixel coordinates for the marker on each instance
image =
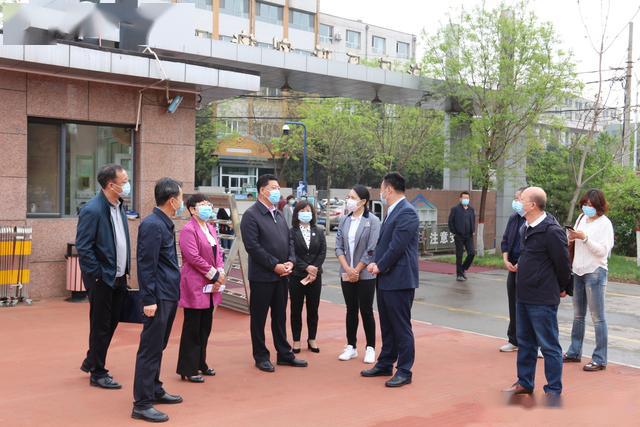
(626, 126)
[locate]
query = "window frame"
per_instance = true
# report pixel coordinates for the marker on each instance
(280, 19)
(294, 25)
(373, 45)
(244, 14)
(347, 41)
(323, 38)
(404, 56)
(62, 162)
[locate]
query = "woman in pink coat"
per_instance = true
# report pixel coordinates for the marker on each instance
(201, 277)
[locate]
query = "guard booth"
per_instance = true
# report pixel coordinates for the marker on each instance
(236, 293)
(15, 250)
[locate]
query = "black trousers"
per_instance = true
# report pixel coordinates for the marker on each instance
(153, 340)
(196, 329)
(511, 294)
(267, 296)
(299, 293)
(464, 243)
(359, 297)
(105, 307)
(398, 344)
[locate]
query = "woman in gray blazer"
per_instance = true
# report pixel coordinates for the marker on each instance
(355, 244)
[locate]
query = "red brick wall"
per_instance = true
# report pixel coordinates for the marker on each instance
(165, 146)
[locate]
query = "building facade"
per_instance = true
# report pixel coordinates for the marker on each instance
(259, 118)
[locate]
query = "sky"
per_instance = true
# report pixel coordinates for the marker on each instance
(578, 24)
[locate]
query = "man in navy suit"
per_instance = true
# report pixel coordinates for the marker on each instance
(396, 266)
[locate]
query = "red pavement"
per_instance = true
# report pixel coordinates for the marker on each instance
(446, 268)
(457, 380)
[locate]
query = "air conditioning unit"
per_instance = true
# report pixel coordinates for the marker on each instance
(337, 37)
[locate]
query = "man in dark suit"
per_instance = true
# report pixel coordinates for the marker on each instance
(396, 265)
(543, 276)
(265, 235)
(102, 240)
(462, 223)
(159, 282)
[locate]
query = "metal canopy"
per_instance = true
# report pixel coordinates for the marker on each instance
(307, 73)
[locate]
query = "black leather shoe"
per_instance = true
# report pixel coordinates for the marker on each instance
(313, 349)
(85, 366)
(376, 372)
(151, 415)
(398, 380)
(168, 399)
(297, 363)
(295, 350)
(192, 378)
(105, 382)
(210, 372)
(265, 366)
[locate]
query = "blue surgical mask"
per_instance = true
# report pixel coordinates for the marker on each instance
(274, 196)
(516, 205)
(305, 217)
(465, 202)
(205, 212)
(181, 209)
(126, 190)
(383, 200)
(589, 211)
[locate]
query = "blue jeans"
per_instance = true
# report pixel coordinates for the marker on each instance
(537, 326)
(589, 290)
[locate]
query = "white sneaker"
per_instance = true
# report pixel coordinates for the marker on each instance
(348, 353)
(508, 347)
(540, 356)
(369, 355)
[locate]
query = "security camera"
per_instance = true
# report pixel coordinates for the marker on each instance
(285, 130)
(174, 104)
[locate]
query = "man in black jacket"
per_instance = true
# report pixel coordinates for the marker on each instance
(102, 240)
(510, 253)
(542, 279)
(265, 235)
(462, 223)
(159, 282)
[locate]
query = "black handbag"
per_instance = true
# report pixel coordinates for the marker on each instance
(132, 308)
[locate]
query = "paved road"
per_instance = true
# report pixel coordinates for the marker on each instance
(480, 305)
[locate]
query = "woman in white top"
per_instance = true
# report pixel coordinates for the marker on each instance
(356, 241)
(593, 237)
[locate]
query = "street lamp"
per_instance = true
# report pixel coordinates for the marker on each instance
(285, 131)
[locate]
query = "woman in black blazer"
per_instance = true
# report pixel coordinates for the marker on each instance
(310, 248)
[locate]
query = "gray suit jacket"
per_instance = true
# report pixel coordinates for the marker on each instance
(366, 241)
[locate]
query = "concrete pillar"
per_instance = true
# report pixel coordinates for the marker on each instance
(512, 176)
(454, 179)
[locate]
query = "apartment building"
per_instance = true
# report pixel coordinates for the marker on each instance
(303, 28)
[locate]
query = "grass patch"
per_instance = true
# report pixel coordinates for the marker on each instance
(621, 268)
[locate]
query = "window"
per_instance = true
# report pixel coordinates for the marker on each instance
(63, 160)
(402, 50)
(235, 126)
(378, 45)
(326, 33)
(235, 7)
(353, 39)
(200, 4)
(301, 20)
(270, 13)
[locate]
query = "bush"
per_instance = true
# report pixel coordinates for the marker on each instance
(623, 195)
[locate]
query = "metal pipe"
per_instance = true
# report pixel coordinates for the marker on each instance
(304, 155)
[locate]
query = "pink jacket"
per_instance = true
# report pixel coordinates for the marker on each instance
(197, 260)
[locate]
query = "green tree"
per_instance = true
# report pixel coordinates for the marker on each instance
(623, 194)
(207, 131)
(504, 68)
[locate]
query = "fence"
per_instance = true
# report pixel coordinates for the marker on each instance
(15, 250)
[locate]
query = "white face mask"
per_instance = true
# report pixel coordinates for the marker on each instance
(352, 205)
